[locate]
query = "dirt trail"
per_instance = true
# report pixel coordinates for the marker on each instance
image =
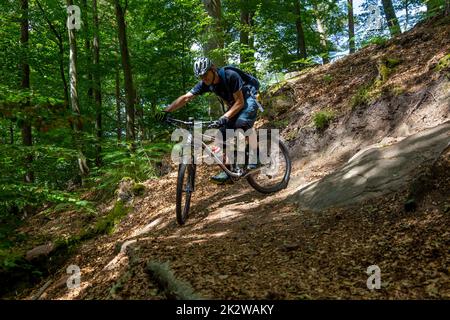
(376, 171)
(241, 244)
(238, 243)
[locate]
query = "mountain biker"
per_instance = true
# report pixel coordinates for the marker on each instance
(240, 98)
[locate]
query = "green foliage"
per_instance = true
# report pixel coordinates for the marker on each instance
(322, 119)
(107, 224)
(104, 225)
(291, 135)
(386, 66)
(328, 78)
(121, 162)
(138, 189)
(377, 40)
(397, 90)
(9, 260)
(20, 195)
(443, 64)
(362, 96)
(302, 64)
(280, 124)
(11, 256)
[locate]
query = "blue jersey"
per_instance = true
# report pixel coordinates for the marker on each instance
(225, 91)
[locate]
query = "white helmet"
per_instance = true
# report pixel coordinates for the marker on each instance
(201, 66)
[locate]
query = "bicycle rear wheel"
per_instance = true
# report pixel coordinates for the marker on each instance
(185, 187)
(273, 176)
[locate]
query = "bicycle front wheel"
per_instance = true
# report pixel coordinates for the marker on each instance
(275, 175)
(185, 187)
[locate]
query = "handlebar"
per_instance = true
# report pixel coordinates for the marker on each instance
(209, 124)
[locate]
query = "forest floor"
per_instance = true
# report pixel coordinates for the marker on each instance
(239, 244)
(243, 245)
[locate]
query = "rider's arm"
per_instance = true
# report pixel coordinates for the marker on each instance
(237, 106)
(180, 102)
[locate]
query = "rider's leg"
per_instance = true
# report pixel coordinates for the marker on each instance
(222, 177)
(245, 121)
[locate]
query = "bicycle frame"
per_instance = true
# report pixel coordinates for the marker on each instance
(187, 168)
(191, 143)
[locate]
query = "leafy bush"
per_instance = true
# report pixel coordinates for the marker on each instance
(322, 119)
(444, 63)
(361, 97)
(386, 66)
(378, 40)
(304, 63)
(121, 162)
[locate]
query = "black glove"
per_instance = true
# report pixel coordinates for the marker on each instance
(222, 122)
(162, 116)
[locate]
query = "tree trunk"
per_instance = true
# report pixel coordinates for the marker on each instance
(63, 75)
(87, 45)
(214, 47)
(118, 107)
(447, 7)
(84, 169)
(317, 6)
(246, 40)
(27, 138)
(11, 133)
(301, 45)
(215, 42)
(351, 27)
(97, 88)
(139, 112)
(128, 77)
(184, 42)
(60, 44)
(406, 14)
(433, 7)
(389, 12)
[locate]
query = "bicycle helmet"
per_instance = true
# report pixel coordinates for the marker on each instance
(201, 66)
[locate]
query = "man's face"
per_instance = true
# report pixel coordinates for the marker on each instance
(208, 77)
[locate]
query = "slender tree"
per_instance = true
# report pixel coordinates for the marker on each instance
(27, 138)
(60, 43)
(127, 72)
(351, 27)
(11, 133)
(89, 54)
(406, 5)
(118, 105)
(97, 88)
(301, 43)
(318, 9)
(391, 17)
(215, 42)
(245, 37)
(78, 126)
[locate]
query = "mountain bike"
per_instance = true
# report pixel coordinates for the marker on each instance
(270, 177)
